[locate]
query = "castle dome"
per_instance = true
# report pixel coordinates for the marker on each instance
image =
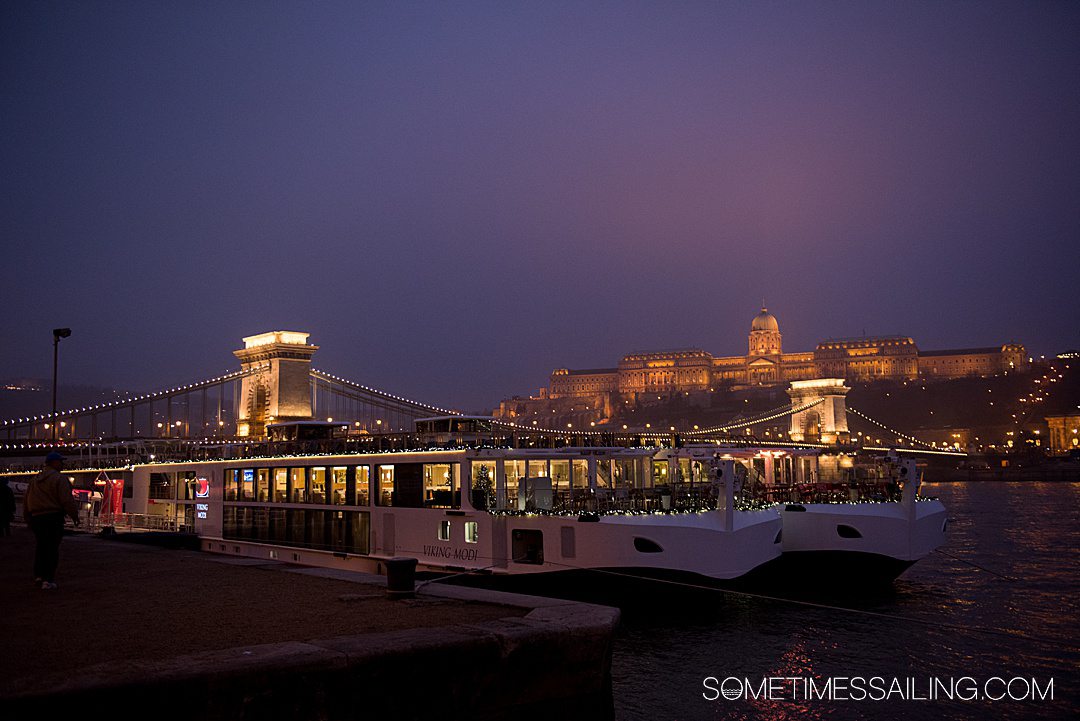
(764, 321)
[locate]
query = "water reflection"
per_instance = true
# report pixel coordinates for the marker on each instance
(1026, 531)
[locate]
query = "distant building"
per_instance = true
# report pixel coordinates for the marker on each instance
(1064, 432)
(972, 361)
(693, 370)
(867, 359)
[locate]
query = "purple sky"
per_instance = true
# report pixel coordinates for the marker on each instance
(454, 198)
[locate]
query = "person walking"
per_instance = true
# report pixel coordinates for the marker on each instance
(48, 500)
(7, 507)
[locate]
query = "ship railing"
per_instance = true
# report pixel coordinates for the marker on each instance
(676, 497)
(134, 521)
(842, 492)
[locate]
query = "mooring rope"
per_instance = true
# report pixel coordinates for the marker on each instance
(988, 630)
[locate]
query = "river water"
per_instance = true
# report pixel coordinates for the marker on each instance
(972, 623)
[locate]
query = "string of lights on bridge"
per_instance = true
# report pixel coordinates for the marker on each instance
(765, 417)
(330, 377)
(99, 407)
(217, 380)
(895, 432)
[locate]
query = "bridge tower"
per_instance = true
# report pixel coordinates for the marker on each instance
(825, 422)
(279, 388)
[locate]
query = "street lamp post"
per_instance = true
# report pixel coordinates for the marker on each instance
(57, 334)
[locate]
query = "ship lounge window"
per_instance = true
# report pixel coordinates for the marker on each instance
(472, 532)
(560, 476)
(645, 545)
(281, 485)
(603, 473)
(162, 486)
(232, 485)
(247, 484)
(298, 483)
(384, 493)
(581, 473)
(317, 484)
(440, 486)
(419, 485)
(338, 475)
(846, 531)
(263, 488)
(514, 471)
(483, 485)
(444, 530)
(362, 493)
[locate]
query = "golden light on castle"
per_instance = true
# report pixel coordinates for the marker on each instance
(693, 371)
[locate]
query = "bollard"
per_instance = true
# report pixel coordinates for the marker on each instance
(400, 578)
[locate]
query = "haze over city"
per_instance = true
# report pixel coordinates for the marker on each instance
(453, 200)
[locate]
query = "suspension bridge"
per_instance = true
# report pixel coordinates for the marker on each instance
(277, 384)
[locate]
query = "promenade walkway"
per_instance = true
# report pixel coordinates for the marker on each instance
(122, 601)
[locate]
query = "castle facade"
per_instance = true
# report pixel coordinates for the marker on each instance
(693, 370)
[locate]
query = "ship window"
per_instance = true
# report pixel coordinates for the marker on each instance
(359, 527)
(337, 485)
(660, 473)
(603, 473)
(317, 481)
(845, 531)
(628, 473)
(162, 486)
(281, 485)
(263, 490)
(560, 475)
(440, 486)
(581, 473)
(472, 532)
(645, 545)
(483, 485)
(515, 471)
(384, 496)
(362, 485)
(278, 530)
(298, 480)
(232, 485)
(538, 469)
(247, 486)
(444, 530)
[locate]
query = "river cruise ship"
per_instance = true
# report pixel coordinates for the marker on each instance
(716, 513)
(848, 520)
(496, 510)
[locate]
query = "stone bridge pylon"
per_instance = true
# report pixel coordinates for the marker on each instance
(824, 422)
(278, 387)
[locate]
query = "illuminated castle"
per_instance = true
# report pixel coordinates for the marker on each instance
(765, 364)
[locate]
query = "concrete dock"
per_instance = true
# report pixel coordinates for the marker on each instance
(155, 633)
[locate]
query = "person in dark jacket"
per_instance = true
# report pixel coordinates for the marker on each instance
(48, 500)
(7, 507)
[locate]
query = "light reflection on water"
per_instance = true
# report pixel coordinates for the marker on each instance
(1027, 531)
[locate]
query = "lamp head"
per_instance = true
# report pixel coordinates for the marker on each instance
(59, 333)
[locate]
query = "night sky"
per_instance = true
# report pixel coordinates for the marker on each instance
(455, 198)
